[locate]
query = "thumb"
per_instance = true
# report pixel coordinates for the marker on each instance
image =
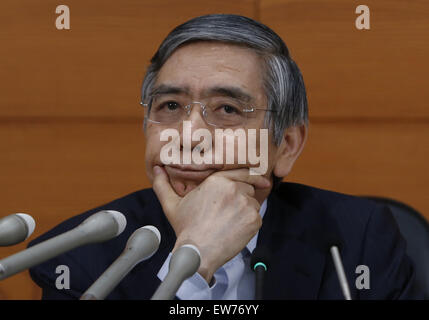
(163, 190)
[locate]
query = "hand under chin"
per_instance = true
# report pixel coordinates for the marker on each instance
(181, 187)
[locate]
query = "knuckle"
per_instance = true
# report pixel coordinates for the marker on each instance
(256, 218)
(252, 214)
(211, 179)
(233, 187)
(257, 223)
(230, 186)
(243, 202)
(251, 190)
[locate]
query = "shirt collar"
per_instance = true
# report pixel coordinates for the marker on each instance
(252, 243)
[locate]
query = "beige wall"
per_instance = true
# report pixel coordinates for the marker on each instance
(70, 123)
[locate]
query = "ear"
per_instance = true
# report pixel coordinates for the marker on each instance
(289, 150)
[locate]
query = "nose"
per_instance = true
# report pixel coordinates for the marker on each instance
(196, 120)
(196, 116)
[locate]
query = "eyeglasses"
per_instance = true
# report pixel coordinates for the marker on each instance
(217, 111)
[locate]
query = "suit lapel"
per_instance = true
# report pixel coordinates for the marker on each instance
(297, 263)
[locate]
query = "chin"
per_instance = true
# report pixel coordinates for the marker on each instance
(185, 179)
(182, 188)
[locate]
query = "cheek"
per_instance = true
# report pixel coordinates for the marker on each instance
(273, 156)
(153, 147)
(258, 146)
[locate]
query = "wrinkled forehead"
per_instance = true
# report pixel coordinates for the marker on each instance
(205, 68)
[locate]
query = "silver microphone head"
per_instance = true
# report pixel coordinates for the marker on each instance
(145, 241)
(104, 225)
(16, 228)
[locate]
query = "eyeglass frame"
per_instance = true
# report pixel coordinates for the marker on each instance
(188, 109)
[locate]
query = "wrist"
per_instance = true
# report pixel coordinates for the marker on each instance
(207, 266)
(207, 275)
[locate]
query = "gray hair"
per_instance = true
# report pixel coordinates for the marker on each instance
(283, 82)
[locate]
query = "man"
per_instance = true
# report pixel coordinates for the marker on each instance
(230, 72)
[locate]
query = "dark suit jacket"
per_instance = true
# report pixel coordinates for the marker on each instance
(298, 226)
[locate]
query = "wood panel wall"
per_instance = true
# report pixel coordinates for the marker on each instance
(71, 128)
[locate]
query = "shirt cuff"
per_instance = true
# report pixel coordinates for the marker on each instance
(193, 288)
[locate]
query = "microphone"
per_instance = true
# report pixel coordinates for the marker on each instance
(259, 263)
(325, 239)
(99, 227)
(333, 242)
(340, 272)
(184, 262)
(15, 228)
(141, 245)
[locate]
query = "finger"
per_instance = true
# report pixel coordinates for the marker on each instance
(255, 203)
(243, 175)
(246, 188)
(165, 193)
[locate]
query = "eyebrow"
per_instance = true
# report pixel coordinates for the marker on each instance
(227, 91)
(230, 91)
(169, 89)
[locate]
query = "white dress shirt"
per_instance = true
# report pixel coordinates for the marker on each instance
(233, 281)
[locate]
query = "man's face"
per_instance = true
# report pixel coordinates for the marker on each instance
(199, 70)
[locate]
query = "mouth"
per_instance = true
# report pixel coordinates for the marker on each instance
(191, 172)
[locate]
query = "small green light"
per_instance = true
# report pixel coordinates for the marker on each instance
(260, 264)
